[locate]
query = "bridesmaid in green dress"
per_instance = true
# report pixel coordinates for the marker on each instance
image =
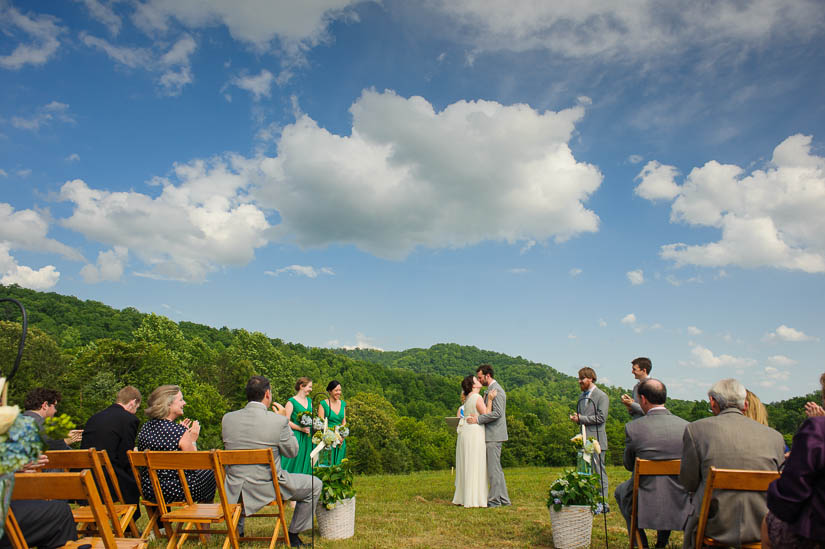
(335, 410)
(295, 405)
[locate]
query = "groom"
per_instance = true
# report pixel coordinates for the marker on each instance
(495, 430)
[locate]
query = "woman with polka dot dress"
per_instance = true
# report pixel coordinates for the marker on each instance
(162, 433)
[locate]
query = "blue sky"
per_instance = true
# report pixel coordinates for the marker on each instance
(575, 183)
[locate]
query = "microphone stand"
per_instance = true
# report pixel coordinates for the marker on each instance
(600, 459)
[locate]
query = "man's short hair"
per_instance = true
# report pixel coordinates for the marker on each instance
(256, 388)
(728, 393)
(127, 395)
(588, 372)
(643, 363)
(654, 391)
(36, 397)
(486, 370)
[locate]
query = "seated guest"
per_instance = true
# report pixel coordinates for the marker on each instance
(162, 433)
(41, 403)
(796, 501)
(43, 523)
(655, 435)
(114, 430)
(728, 440)
(254, 426)
(754, 408)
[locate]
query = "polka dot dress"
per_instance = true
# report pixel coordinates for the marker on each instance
(164, 435)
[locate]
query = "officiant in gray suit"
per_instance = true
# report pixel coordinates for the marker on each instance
(495, 434)
(255, 426)
(657, 436)
(591, 411)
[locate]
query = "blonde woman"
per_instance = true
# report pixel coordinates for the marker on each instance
(296, 406)
(754, 408)
(164, 433)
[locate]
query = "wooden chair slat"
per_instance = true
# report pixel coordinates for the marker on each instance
(647, 467)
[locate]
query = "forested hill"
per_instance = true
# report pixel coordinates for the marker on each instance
(396, 400)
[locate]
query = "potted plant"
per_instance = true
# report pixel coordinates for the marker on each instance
(572, 500)
(336, 509)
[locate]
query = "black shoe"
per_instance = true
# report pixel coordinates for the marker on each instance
(295, 541)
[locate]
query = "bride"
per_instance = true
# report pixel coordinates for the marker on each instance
(470, 451)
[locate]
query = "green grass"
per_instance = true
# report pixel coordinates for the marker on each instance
(415, 510)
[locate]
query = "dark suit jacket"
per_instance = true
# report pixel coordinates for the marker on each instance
(114, 430)
(657, 436)
(728, 441)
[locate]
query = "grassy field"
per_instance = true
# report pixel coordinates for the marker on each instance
(415, 510)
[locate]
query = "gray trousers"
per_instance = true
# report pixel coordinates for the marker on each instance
(598, 468)
(495, 476)
(306, 496)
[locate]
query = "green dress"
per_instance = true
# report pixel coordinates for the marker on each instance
(301, 462)
(336, 454)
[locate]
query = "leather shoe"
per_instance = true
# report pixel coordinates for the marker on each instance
(295, 541)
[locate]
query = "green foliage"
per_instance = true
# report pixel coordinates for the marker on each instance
(573, 488)
(57, 427)
(337, 481)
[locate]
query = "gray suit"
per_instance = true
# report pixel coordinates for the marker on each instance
(593, 415)
(495, 433)
(256, 427)
(663, 503)
(729, 441)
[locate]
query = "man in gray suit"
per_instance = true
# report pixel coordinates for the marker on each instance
(495, 432)
(656, 435)
(728, 440)
(256, 427)
(591, 411)
(640, 368)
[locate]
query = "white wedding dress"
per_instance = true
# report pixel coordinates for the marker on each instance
(470, 460)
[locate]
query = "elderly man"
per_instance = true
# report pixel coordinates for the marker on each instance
(640, 368)
(591, 411)
(728, 440)
(254, 426)
(656, 435)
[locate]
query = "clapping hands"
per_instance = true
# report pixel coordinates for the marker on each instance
(812, 409)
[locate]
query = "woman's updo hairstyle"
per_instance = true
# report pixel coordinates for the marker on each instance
(302, 382)
(332, 385)
(467, 384)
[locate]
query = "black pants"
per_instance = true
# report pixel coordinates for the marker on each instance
(43, 523)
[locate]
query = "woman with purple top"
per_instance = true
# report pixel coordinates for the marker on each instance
(796, 501)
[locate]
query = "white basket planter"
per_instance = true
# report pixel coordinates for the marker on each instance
(572, 526)
(338, 522)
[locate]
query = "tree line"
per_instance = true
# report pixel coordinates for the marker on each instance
(396, 400)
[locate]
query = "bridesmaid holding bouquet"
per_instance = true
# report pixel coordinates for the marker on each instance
(298, 407)
(334, 410)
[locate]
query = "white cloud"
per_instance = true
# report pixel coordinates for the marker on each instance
(518, 270)
(574, 272)
(704, 358)
(775, 374)
(104, 13)
(27, 229)
(302, 270)
(109, 266)
(627, 30)
(12, 273)
(786, 333)
(363, 342)
(693, 330)
(602, 323)
(187, 231)
(629, 319)
(473, 172)
(771, 218)
(527, 247)
(25, 172)
(676, 281)
(636, 277)
(782, 360)
(173, 65)
(54, 111)
(74, 157)
(657, 182)
(258, 85)
(571, 336)
(41, 30)
(3, 173)
(635, 158)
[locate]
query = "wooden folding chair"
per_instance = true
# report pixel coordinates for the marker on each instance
(117, 497)
(14, 533)
(70, 486)
(646, 467)
(138, 459)
(192, 512)
(264, 458)
(122, 514)
(730, 479)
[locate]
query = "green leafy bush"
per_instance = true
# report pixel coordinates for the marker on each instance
(574, 488)
(337, 481)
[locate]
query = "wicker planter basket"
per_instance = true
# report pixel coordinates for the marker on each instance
(571, 526)
(338, 522)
